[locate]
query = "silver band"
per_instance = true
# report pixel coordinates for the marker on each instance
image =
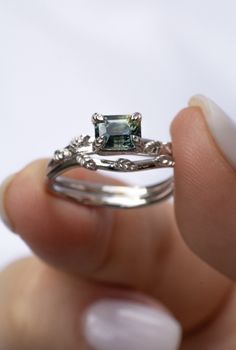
(90, 153)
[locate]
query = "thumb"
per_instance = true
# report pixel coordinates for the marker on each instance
(204, 143)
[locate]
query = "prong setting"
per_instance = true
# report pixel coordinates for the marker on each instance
(136, 116)
(136, 139)
(138, 143)
(99, 142)
(97, 118)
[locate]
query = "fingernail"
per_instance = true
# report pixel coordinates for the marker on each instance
(3, 213)
(118, 324)
(222, 127)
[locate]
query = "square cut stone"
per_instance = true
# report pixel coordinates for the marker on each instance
(118, 130)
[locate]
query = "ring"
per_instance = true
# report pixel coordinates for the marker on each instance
(115, 135)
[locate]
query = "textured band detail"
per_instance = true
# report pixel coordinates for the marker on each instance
(85, 151)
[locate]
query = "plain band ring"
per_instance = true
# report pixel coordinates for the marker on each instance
(118, 135)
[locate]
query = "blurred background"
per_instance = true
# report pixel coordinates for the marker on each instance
(63, 60)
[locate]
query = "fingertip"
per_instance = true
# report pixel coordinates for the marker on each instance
(180, 121)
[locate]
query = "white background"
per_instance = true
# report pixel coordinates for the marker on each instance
(62, 60)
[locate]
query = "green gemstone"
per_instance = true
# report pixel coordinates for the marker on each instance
(117, 130)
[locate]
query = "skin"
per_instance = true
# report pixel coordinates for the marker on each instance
(166, 255)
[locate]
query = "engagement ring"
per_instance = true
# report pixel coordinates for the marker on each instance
(119, 136)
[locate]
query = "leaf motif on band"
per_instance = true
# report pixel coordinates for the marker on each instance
(165, 161)
(86, 162)
(80, 141)
(125, 165)
(61, 155)
(152, 147)
(67, 152)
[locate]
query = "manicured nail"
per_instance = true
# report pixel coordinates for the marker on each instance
(117, 324)
(3, 213)
(222, 127)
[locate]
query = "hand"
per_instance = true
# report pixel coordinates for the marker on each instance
(125, 279)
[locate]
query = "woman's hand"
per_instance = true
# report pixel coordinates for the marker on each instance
(120, 279)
